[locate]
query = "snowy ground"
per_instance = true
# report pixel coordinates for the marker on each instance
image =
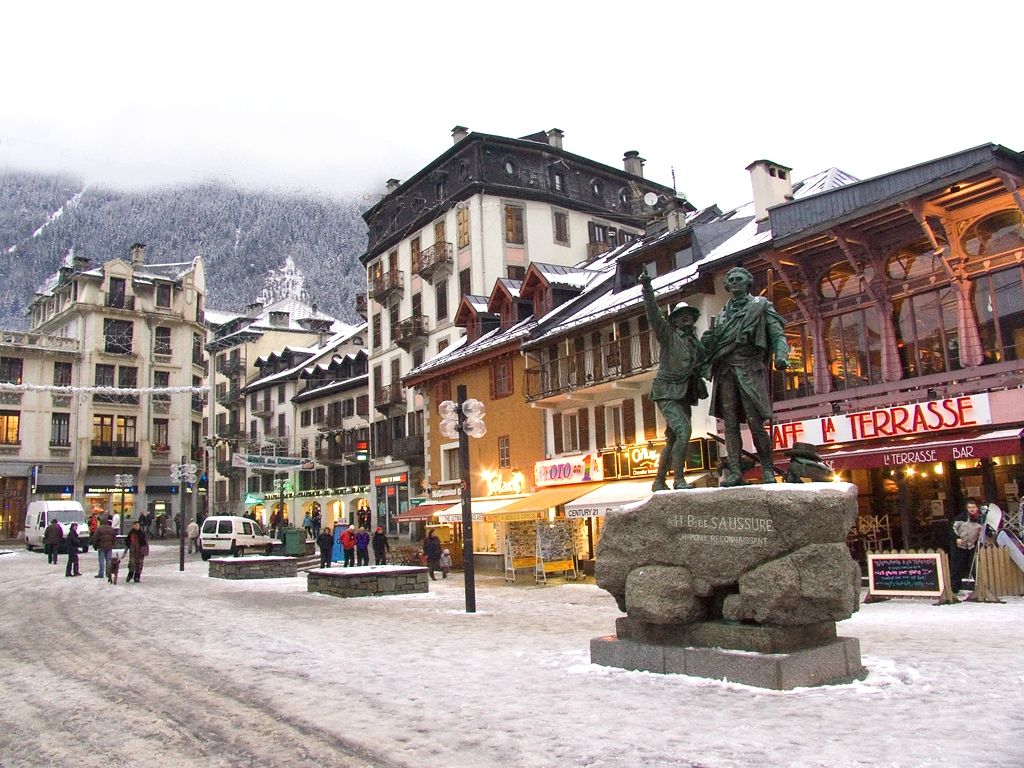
(186, 670)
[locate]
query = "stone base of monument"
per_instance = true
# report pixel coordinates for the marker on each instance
(836, 661)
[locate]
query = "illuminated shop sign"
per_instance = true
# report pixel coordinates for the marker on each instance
(896, 421)
(568, 469)
(641, 460)
(387, 479)
(499, 484)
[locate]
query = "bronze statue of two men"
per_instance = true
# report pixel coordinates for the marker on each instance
(735, 353)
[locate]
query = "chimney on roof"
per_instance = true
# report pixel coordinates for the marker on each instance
(555, 137)
(254, 309)
(138, 254)
(633, 163)
(391, 185)
(771, 185)
(459, 132)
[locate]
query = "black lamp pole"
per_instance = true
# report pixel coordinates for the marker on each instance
(467, 509)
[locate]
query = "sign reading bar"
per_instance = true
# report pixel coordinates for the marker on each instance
(256, 461)
(895, 421)
(568, 469)
(906, 575)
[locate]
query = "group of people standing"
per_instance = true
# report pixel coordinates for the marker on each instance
(103, 539)
(355, 546)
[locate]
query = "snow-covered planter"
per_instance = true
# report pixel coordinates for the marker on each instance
(252, 567)
(368, 581)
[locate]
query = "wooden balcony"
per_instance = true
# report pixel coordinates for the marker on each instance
(434, 262)
(611, 361)
(387, 285)
(228, 395)
(231, 365)
(230, 431)
(408, 449)
(264, 409)
(410, 333)
(389, 398)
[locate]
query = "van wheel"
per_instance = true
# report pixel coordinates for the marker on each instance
(205, 555)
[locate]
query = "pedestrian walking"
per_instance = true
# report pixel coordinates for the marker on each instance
(446, 563)
(348, 545)
(362, 547)
(317, 520)
(73, 543)
(103, 541)
(136, 547)
(307, 524)
(52, 538)
(432, 551)
(325, 541)
(381, 547)
(193, 536)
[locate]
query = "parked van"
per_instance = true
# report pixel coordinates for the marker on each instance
(232, 536)
(40, 513)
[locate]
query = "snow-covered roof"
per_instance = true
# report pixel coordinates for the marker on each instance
(461, 350)
(559, 276)
(218, 316)
(312, 355)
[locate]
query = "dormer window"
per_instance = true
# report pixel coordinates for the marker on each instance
(279, 319)
(558, 181)
(510, 167)
(596, 188)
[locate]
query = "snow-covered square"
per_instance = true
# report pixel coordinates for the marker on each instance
(182, 669)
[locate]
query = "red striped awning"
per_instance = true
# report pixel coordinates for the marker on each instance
(420, 513)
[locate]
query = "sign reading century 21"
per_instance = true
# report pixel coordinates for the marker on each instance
(895, 421)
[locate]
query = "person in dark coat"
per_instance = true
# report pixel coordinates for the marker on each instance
(137, 547)
(103, 541)
(326, 543)
(52, 538)
(966, 532)
(432, 550)
(381, 547)
(362, 547)
(317, 520)
(73, 543)
(348, 545)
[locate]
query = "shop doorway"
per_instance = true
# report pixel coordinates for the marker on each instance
(13, 493)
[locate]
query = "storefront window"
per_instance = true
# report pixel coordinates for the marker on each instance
(999, 307)
(994, 234)
(854, 347)
(926, 330)
(796, 380)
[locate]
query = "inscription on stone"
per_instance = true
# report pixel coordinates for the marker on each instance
(748, 530)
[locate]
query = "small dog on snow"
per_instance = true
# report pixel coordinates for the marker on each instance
(112, 569)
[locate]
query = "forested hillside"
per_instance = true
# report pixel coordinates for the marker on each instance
(241, 234)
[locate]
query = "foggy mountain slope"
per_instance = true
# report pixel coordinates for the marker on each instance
(241, 234)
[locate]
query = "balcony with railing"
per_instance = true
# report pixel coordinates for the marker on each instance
(333, 421)
(230, 365)
(228, 395)
(226, 469)
(408, 449)
(229, 431)
(389, 397)
(434, 262)
(361, 305)
(263, 409)
(386, 284)
(332, 454)
(276, 435)
(611, 361)
(410, 333)
(115, 448)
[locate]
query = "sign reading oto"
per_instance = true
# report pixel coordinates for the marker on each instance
(895, 421)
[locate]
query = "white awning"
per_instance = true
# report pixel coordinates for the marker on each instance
(611, 496)
(480, 508)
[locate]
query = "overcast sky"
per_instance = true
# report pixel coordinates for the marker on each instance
(341, 96)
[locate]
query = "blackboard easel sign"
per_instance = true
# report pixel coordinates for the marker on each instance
(906, 574)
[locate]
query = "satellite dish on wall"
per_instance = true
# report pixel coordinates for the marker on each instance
(651, 199)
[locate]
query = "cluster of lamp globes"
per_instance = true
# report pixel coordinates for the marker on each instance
(472, 419)
(184, 473)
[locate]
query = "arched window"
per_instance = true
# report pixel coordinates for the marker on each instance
(843, 281)
(782, 297)
(914, 261)
(996, 233)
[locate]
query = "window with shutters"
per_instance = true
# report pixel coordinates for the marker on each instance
(504, 454)
(462, 223)
(584, 429)
(514, 230)
(305, 418)
(440, 232)
(571, 436)
(599, 427)
(650, 414)
(375, 326)
(561, 225)
(163, 295)
(363, 405)
(62, 374)
(628, 421)
(414, 253)
(443, 390)
(501, 377)
(556, 432)
(465, 281)
(441, 300)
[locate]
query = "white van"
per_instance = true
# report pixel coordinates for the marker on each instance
(232, 535)
(40, 513)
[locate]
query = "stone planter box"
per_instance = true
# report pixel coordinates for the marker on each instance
(368, 581)
(252, 567)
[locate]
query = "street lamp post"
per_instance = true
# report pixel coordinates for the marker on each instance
(124, 482)
(184, 474)
(464, 420)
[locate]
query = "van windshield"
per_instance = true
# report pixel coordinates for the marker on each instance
(65, 515)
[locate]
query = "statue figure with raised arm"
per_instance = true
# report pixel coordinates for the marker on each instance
(678, 384)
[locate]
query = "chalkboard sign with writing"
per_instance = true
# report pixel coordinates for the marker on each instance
(908, 575)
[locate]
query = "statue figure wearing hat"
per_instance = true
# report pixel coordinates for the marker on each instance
(678, 384)
(737, 352)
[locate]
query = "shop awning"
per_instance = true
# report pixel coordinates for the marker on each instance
(984, 445)
(420, 513)
(540, 502)
(480, 509)
(611, 496)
